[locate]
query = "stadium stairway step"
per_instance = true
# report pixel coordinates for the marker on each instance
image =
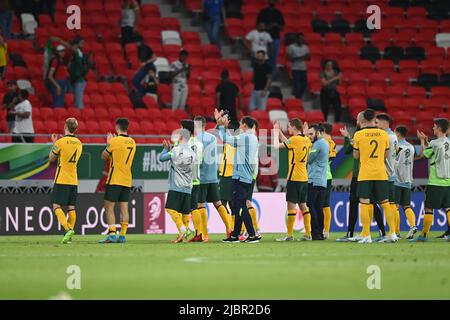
(170, 9)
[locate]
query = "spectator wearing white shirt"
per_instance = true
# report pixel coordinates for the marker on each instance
(180, 74)
(23, 125)
(298, 54)
(129, 21)
(258, 40)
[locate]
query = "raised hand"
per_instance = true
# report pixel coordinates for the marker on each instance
(305, 128)
(109, 136)
(54, 137)
(276, 125)
(344, 132)
(218, 114)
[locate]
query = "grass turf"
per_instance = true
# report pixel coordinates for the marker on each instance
(150, 267)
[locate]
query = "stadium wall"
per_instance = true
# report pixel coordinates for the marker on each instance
(23, 162)
(31, 214)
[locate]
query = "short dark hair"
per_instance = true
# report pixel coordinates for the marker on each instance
(369, 115)
(385, 117)
(188, 124)
(184, 53)
(327, 127)
(402, 130)
(256, 124)
(248, 121)
(200, 119)
(233, 125)
(225, 74)
(123, 124)
(297, 123)
(261, 51)
(316, 127)
(442, 124)
(24, 93)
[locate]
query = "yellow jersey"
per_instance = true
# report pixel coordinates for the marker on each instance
(3, 50)
(298, 148)
(226, 167)
(372, 144)
(122, 150)
(68, 149)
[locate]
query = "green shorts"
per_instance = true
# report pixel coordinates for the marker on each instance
(116, 193)
(326, 201)
(209, 192)
(194, 196)
(377, 190)
(64, 194)
(296, 191)
(402, 196)
(437, 197)
(179, 201)
(226, 188)
(250, 192)
(392, 196)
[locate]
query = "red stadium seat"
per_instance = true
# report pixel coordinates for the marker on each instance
(293, 104)
(415, 92)
(314, 116)
(299, 114)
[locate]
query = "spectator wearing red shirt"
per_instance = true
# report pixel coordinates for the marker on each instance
(58, 77)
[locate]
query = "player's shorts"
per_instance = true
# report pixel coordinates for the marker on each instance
(326, 200)
(392, 196)
(402, 196)
(194, 196)
(437, 197)
(209, 192)
(116, 193)
(377, 190)
(64, 194)
(296, 191)
(179, 201)
(250, 192)
(226, 188)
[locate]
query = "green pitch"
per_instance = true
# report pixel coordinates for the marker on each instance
(149, 267)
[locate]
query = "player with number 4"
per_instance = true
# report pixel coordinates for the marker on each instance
(67, 150)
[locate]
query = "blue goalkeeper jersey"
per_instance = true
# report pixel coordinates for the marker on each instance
(208, 167)
(245, 157)
(318, 163)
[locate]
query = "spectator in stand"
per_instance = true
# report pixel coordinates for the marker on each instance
(129, 21)
(3, 56)
(274, 21)
(145, 53)
(150, 84)
(58, 76)
(23, 125)
(6, 16)
(298, 54)
(226, 94)
(329, 95)
(180, 74)
(146, 56)
(9, 101)
(262, 80)
(78, 69)
(48, 7)
(258, 40)
(213, 10)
